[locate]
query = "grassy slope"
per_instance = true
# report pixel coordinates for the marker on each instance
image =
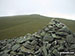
(21, 25)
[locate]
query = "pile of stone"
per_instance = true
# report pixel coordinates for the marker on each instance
(53, 40)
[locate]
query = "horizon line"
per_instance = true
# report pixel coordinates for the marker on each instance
(34, 14)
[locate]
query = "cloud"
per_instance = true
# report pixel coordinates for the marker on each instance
(53, 8)
(60, 15)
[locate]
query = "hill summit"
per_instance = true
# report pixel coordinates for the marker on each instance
(55, 39)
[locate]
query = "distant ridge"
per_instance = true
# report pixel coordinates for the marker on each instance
(33, 15)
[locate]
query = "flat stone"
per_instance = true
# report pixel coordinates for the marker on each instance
(47, 37)
(72, 46)
(70, 39)
(15, 47)
(34, 42)
(55, 52)
(27, 45)
(61, 48)
(23, 49)
(61, 34)
(46, 29)
(42, 33)
(44, 50)
(20, 40)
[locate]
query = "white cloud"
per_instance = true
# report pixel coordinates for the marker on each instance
(53, 8)
(60, 15)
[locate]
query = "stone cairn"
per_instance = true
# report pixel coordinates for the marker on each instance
(53, 40)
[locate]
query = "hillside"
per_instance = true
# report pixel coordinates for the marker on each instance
(55, 39)
(15, 26)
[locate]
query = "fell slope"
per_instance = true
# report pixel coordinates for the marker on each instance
(15, 26)
(55, 39)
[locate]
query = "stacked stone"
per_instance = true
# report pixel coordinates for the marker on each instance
(53, 40)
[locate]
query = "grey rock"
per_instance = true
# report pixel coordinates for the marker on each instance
(73, 46)
(27, 45)
(47, 37)
(56, 53)
(44, 50)
(15, 47)
(70, 39)
(21, 40)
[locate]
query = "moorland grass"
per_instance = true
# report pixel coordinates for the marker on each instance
(15, 26)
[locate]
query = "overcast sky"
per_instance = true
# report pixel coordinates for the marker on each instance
(51, 8)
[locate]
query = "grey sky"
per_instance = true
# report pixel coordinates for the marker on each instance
(53, 8)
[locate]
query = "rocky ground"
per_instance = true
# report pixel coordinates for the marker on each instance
(55, 39)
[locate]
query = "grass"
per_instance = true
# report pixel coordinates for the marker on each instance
(16, 26)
